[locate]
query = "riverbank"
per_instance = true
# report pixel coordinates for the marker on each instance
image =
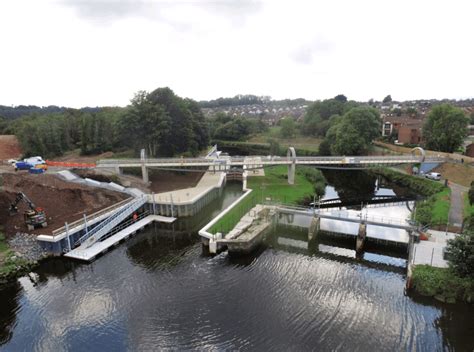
(18, 256)
(433, 211)
(442, 284)
(274, 188)
(274, 185)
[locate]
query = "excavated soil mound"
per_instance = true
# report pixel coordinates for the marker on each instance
(62, 201)
(9, 147)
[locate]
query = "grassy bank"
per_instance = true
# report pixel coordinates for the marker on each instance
(434, 210)
(275, 188)
(229, 220)
(275, 184)
(442, 284)
(468, 208)
(10, 265)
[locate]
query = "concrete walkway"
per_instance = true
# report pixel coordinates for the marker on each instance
(431, 252)
(457, 204)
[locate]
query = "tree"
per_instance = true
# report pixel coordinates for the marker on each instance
(445, 128)
(288, 127)
(387, 99)
(352, 133)
(341, 97)
(275, 148)
(316, 120)
(233, 130)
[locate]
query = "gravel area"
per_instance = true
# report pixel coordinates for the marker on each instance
(26, 246)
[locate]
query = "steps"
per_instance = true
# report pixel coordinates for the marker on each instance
(107, 225)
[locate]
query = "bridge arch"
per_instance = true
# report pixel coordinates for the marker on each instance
(291, 155)
(422, 152)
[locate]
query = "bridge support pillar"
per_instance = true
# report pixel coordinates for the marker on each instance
(361, 237)
(119, 170)
(313, 228)
(145, 173)
(291, 155)
(144, 169)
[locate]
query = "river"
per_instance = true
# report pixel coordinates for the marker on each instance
(158, 291)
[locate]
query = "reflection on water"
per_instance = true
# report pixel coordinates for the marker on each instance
(158, 292)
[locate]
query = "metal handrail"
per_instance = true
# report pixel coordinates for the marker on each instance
(120, 227)
(110, 219)
(92, 216)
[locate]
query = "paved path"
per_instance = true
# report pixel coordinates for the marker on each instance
(431, 252)
(457, 204)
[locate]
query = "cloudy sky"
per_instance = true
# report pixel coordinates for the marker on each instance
(83, 52)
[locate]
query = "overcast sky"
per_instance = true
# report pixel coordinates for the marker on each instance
(93, 53)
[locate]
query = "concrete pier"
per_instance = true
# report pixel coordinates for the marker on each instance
(361, 237)
(291, 155)
(249, 232)
(313, 228)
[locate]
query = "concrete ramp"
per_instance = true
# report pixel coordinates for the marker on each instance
(68, 175)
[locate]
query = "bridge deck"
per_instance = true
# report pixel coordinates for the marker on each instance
(90, 253)
(265, 161)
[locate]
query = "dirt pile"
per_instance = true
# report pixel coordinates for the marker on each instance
(61, 200)
(9, 147)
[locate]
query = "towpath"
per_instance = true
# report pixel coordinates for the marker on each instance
(456, 210)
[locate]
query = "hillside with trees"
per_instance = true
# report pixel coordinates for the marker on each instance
(160, 121)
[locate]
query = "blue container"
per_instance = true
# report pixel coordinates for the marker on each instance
(21, 165)
(35, 171)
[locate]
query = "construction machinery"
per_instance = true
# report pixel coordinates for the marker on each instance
(34, 216)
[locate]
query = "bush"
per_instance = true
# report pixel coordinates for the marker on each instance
(315, 177)
(442, 284)
(460, 252)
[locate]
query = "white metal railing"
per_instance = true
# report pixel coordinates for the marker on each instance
(273, 160)
(91, 217)
(103, 228)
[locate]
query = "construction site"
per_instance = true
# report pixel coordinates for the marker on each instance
(72, 208)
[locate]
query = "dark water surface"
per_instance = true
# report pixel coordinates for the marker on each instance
(158, 291)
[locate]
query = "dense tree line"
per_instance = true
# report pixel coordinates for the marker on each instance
(317, 119)
(52, 135)
(250, 100)
(225, 127)
(235, 101)
(160, 121)
(13, 112)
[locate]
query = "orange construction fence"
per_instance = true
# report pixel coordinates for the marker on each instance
(69, 164)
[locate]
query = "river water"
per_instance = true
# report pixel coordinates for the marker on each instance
(158, 291)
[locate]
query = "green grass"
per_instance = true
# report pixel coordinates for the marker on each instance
(434, 210)
(275, 185)
(8, 264)
(440, 208)
(442, 284)
(229, 220)
(468, 208)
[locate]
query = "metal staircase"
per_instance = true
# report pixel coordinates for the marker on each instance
(107, 225)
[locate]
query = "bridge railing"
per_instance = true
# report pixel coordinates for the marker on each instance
(346, 215)
(271, 159)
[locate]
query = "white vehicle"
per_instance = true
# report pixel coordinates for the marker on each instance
(433, 176)
(34, 160)
(12, 161)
